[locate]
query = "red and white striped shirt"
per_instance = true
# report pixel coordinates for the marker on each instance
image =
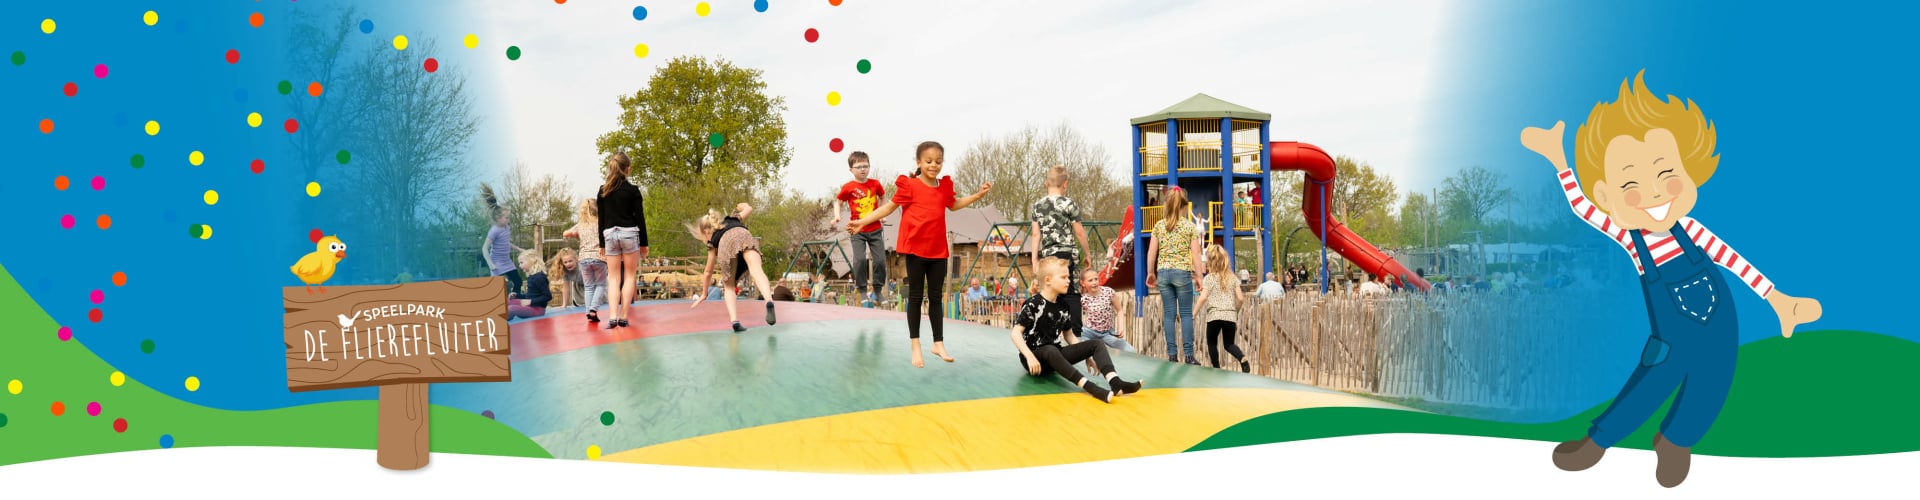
(1663, 246)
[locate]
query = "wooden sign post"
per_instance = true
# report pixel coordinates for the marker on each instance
(401, 338)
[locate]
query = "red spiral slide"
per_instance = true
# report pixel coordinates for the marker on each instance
(1320, 174)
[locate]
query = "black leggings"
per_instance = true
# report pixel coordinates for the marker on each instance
(1214, 329)
(926, 279)
(513, 282)
(1061, 360)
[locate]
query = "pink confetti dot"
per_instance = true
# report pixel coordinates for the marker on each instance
(66, 221)
(66, 334)
(93, 409)
(99, 183)
(100, 71)
(98, 296)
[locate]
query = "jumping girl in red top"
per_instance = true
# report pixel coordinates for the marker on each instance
(923, 238)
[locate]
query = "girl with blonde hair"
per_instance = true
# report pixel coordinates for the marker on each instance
(734, 249)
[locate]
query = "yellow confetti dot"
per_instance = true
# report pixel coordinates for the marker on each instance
(206, 231)
(211, 197)
(253, 120)
(470, 41)
(196, 158)
(833, 98)
(47, 25)
(193, 384)
(640, 50)
(593, 450)
(153, 127)
(313, 189)
(702, 9)
(117, 378)
(14, 386)
(399, 42)
(151, 18)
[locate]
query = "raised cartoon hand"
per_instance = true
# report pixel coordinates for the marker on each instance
(1793, 311)
(1548, 143)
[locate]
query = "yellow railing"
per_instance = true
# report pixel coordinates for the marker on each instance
(1246, 216)
(1149, 216)
(1153, 160)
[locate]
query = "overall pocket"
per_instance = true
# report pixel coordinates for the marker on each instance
(1697, 296)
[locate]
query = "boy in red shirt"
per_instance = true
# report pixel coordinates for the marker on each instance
(861, 196)
(923, 238)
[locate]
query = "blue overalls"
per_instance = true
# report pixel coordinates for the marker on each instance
(1695, 338)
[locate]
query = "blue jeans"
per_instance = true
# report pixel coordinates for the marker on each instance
(593, 274)
(1176, 303)
(1107, 338)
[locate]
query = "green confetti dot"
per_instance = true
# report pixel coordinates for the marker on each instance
(513, 53)
(3, 416)
(19, 58)
(137, 161)
(864, 66)
(716, 139)
(286, 87)
(606, 418)
(343, 157)
(146, 346)
(195, 230)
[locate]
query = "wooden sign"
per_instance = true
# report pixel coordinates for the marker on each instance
(400, 337)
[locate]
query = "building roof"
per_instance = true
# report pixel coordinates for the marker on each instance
(1204, 106)
(969, 226)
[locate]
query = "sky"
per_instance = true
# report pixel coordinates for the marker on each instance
(1351, 77)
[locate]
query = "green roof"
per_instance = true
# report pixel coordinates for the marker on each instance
(1204, 106)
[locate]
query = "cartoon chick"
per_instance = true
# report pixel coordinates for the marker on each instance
(315, 268)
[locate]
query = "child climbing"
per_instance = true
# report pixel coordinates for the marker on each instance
(736, 252)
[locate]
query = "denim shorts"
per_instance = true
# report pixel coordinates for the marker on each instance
(616, 241)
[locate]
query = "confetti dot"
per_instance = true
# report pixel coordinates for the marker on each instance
(146, 346)
(233, 56)
(561, 2)
(716, 139)
(593, 450)
(65, 334)
(255, 19)
(833, 98)
(93, 408)
(94, 315)
(103, 221)
(46, 125)
(343, 157)
(835, 3)
(366, 25)
(285, 87)
(151, 18)
(812, 35)
(639, 13)
(513, 53)
(292, 125)
(69, 89)
(759, 5)
(117, 379)
(19, 58)
(835, 144)
(196, 158)
(153, 127)
(194, 230)
(487, 413)
(99, 183)
(119, 278)
(193, 384)
(212, 197)
(58, 408)
(66, 221)
(60, 183)
(137, 161)
(48, 25)
(315, 235)
(119, 425)
(14, 386)
(702, 9)
(431, 65)
(640, 50)
(470, 41)
(99, 71)
(313, 189)
(97, 296)
(863, 66)
(253, 120)
(3, 420)
(166, 441)
(314, 89)
(206, 231)
(606, 418)
(399, 42)
(257, 166)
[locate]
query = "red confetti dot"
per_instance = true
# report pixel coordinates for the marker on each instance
(258, 166)
(233, 56)
(59, 408)
(315, 235)
(431, 65)
(46, 125)
(293, 125)
(70, 89)
(255, 19)
(119, 425)
(835, 144)
(94, 315)
(813, 35)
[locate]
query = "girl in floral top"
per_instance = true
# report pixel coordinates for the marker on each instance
(1172, 255)
(1220, 302)
(1099, 310)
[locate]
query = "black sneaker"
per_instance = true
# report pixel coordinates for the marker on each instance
(591, 317)
(769, 312)
(737, 328)
(1245, 368)
(1122, 387)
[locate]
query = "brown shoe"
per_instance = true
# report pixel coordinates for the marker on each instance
(1674, 461)
(1577, 455)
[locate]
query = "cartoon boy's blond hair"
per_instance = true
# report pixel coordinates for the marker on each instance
(1637, 111)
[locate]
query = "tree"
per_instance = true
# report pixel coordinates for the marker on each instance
(1017, 164)
(1466, 197)
(320, 53)
(541, 201)
(668, 127)
(1417, 216)
(1363, 199)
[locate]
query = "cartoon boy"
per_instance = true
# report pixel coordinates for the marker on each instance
(1644, 160)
